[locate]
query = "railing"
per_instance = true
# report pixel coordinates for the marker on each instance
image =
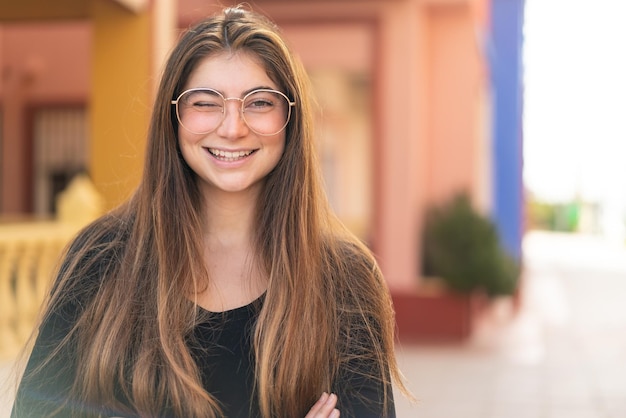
(29, 253)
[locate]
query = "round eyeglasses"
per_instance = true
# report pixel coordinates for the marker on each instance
(201, 110)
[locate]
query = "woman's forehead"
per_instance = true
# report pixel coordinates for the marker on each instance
(231, 73)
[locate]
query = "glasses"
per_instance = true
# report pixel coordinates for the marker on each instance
(201, 110)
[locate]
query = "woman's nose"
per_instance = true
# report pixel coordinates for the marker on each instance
(233, 125)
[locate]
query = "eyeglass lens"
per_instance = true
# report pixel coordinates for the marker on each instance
(201, 111)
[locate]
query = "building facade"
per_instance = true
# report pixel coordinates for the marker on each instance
(407, 105)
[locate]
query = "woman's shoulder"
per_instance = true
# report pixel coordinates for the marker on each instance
(355, 270)
(92, 249)
(101, 232)
(350, 251)
(104, 235)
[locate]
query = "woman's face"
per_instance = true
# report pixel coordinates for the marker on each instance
(232, 157)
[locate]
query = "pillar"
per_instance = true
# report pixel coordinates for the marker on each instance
(121, 97)
(399, 143)
(15, 198)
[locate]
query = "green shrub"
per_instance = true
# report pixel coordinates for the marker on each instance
(562, 217)
(462, 248)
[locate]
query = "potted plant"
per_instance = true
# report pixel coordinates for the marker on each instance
(464, 266)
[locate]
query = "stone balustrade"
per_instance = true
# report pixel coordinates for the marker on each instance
(29, 255)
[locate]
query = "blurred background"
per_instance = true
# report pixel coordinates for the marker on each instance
(475, 145)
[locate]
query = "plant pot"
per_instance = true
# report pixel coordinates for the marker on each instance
(434, 313)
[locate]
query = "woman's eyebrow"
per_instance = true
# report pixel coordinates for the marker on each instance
(248, 91)
(245, 92)
(257, 88)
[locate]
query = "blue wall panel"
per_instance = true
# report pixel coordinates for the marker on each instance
(507, 18)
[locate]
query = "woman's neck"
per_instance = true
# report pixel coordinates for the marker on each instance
(235, 279)
(229, 217)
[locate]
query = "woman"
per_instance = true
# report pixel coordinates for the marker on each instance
(224, 286)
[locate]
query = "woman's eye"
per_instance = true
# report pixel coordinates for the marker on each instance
(203, 101)
(259, 104)
(206, 104)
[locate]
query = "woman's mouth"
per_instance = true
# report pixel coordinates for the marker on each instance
(229, 156)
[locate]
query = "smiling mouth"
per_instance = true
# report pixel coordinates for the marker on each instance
(229, 156)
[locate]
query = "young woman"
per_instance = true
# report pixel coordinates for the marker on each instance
(224, 286)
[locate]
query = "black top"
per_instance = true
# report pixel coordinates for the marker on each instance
(225, 357)
(222, 350)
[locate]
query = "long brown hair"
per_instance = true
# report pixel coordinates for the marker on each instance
(326, 303)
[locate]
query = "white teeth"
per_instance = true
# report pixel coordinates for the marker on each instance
(228, 155)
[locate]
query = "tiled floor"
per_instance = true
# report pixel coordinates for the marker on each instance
(562, 356)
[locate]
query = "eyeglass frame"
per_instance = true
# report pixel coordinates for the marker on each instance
(241, 109)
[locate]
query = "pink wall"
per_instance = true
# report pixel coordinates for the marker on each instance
(401, 139)
(52, 59)
(428, 93)
(456, 86)
(41, 63)
(399, 119)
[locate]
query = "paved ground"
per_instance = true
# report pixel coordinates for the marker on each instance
(562, 356)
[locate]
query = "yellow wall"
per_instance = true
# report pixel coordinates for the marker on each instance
(120, 98)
